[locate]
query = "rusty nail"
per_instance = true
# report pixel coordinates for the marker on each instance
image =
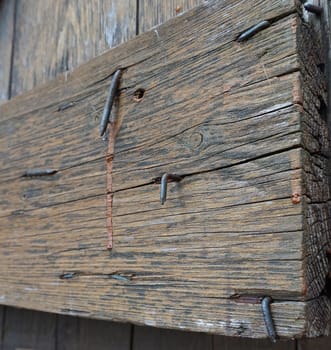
(110, 101)
(164, 185)
(317, 10)
(253, 30)
(269, 323)
(39, 172)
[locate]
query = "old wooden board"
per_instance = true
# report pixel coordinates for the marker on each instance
(45, 47)
(25, 329)
(241, 122)
(231, 343)
(7, 14)
(146, 338)
(152, 13)
(75, 333)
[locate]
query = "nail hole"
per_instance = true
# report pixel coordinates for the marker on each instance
(139, 95)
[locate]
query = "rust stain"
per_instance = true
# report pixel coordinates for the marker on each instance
(178, 9)
(294, 25)
(297, 91)
(296, 177)
(109, 199)
(113, 130)
(296, 198)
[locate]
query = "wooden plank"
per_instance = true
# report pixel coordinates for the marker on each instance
(153, 13)
(7, 21)
(26, 329)
(94, 28)
(72, 33)
(245, 151)
(2, 324)
(318, 343)
(68, 333)
(228, 343)
(147, 338)
(83, 334)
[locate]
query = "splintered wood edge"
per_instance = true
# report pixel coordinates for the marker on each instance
(317, 225)
(312, 42)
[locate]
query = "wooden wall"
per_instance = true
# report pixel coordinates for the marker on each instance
(40, 39)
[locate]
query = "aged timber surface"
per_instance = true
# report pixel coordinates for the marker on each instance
(234, 120)
(7, 13)
(45, 47)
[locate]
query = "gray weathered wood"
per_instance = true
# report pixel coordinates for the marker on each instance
(25, 329)
(147, 338)
(229, 343)
(83, 334)
(311, 344)
(238, 120)
(7, 14)
(2, 324)
(155, 12)
(56, 36)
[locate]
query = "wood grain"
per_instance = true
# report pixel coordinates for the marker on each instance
(7, 20)
(228, 343)
(2, 324)
(239, 121)
(26, 329)
(147, 338)
(56, 36)
(319, 343)
(83, 334)
(153, 13)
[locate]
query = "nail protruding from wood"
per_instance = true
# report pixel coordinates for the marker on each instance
(110, 101)
(164, 185)
(317, 10)
(253, 30)
(39, 172)
(269, 323)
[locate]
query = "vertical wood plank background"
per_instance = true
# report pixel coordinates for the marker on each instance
(40, 39)
(6, 40)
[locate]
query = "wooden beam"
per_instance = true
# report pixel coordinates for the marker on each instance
(241, 122)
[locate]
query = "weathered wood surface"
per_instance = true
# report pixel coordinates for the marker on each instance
(164, 339)
(83, 334)
(155, 12)
(317, 343)
(51, 38)
(45, 47)
(7, 14)
(25, 329)
(232, 124)
(231, 343)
